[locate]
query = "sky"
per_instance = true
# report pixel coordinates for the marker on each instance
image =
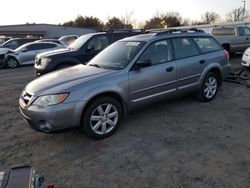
(59, 11)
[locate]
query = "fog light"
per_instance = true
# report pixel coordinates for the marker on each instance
(44, 125)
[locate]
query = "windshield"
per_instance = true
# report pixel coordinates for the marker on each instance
(78, 43)
(21, 47)
(117, 56)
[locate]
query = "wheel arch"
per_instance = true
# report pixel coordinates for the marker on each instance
(111, 94)
(215, 69)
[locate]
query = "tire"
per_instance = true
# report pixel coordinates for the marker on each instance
(209, 87)
(98, 125)
(12, 63)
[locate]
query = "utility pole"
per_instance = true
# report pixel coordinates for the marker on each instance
(244, 9)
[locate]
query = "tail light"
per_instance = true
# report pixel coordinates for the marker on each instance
(226, 54)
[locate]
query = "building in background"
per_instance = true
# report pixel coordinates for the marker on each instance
(41, 31)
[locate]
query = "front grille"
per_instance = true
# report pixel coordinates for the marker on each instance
(2, 58)
(25, 98)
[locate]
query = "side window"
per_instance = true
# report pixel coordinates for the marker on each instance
(12, 43)
(40, 46)
(244, 31)
(207, 44)
(220, 31)
(98, 43)
(31, 47)
(158, 52)
(46, 46)
(184, 47)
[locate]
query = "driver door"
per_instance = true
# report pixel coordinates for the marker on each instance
(157, 80)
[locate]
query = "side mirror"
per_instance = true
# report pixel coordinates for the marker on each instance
(142, 63)
(90, 48)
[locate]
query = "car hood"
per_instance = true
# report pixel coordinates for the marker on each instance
(55, 52)
(64, 80)
(4, 51)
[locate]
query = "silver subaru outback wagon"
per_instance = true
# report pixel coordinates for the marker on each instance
(129, 73)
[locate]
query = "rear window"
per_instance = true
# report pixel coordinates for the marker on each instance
(207, 44)
(220, 31)
(184, 47)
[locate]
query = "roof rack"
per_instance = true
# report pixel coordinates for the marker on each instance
(162, 31)
(124, 30)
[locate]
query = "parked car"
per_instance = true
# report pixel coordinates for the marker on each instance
(4, 39)
(246, 58)
(81, 51)
(50, 40)
(233, 38)
(16, 42)
(68, 39)
(131, 72)
(26, 53)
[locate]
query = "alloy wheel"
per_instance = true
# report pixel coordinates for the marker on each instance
(12, 63)
(104, 119)
(211, 87)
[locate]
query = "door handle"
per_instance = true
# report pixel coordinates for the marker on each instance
(202, 61)
(170, 69)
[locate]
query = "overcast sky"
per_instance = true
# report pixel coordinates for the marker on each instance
(59, 11)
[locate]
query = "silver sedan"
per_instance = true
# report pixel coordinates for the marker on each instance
(26, 53)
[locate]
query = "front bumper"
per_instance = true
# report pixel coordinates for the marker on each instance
(53, 118)
(245, 60)
(39, 71)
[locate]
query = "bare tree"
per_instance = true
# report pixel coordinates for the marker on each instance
(210, 17)
(238, 14)
(127, 19)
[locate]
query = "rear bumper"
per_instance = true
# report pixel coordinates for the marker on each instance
(226, 70)
(53, 118)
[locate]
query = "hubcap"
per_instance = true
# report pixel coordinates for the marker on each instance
(104, 119)
(210, 87)
(12, 63)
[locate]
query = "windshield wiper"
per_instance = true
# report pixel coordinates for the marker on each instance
(94, 65)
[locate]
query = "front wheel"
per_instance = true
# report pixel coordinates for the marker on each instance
(102, 118)
(12, 63)
(209, 87)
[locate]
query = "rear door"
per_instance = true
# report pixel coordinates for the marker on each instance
(190, 63)
(155, 81)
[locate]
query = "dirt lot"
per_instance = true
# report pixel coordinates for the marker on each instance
(177, 143)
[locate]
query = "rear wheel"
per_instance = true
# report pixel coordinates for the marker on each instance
(209, 87)
(12, 63)
(102, 118)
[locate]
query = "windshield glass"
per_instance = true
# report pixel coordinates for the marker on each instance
(21, 47)
(117, 56)
(77, 44)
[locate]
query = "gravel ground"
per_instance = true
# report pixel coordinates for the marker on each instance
(175, 143)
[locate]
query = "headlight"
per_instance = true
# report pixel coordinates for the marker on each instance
(45, 61)
(48, 100)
